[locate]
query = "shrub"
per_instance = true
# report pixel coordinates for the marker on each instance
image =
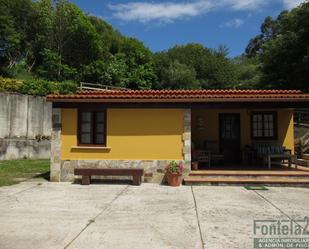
(43, 87)
(63, 87)
(10, 85)
(36, 87)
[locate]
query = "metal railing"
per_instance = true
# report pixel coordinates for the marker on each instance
(99, 87)
(301, 117)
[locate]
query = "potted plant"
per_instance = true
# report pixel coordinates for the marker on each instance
(194, 165)
(173, 172)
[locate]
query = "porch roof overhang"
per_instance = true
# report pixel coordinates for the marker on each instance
(186, 98)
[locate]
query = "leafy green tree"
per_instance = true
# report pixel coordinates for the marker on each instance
(161, 62)
(194, 55)
(55, 40)
(140, 65)
(9, 41)
(180, 76)
(223, 50)
(52, 67)
(64, 41)
(74, 37)
(219, 73)
(268, 31)
(16, 18)
(212, 68)
(43, 38)
(283, 50)
(109, 39)
(248, 72)
(108, 72)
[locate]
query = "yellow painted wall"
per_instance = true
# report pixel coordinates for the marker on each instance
(211, 131)
(286, 128)
(146, 134)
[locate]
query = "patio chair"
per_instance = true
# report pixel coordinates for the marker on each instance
(200, 155)
(212, 147)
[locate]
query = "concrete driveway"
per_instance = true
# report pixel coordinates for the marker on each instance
(61, 215)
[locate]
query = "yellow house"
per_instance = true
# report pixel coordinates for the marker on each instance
(146, 129)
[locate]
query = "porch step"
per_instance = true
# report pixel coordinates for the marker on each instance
(219, 180)
(250, 173)
(299, 176)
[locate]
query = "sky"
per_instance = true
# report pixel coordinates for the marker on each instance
(161, 25)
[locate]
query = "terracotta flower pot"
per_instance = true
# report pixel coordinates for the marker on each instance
(194, 165)
(174, 179)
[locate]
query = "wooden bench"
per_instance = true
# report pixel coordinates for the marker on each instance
(273, 152)
(86, 174)
(287, 157)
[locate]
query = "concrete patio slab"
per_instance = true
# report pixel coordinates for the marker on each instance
(151, 216)
(227, 213)
(49, 215)
(294, 202)
(62, 215)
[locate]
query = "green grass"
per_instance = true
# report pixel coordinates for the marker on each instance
(15, 171)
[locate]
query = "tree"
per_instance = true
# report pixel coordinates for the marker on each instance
(248, 72)
(52, 67)
(43, 38)
(55, 40)
(9, 41)
(139, 61)
(16, 30)
(223, 50)
(284, 51)
(75, 39)
(108, 72)
(219, 72)
(194, 55)
(269, 30)
(109, 39)
(180, 76)
(212, 69)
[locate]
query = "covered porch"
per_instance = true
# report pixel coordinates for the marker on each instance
(241, 139)
(244, 146)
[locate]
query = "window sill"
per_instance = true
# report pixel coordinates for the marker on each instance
(90, 148)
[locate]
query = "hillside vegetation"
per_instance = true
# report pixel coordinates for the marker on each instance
(47, 44)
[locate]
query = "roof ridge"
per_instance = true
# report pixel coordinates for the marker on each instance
(192, 91)
(183, 94)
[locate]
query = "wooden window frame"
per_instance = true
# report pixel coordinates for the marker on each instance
(93, 128)
(275, 123)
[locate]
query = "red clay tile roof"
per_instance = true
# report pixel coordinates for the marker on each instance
(180, 96)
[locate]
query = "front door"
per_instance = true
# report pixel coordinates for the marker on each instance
(229, 132)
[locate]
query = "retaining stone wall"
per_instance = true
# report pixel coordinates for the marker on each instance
(25, 126)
